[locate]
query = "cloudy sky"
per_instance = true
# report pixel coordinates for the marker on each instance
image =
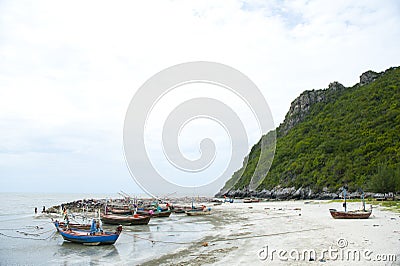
(68, 70)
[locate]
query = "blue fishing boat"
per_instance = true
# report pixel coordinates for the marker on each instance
(89, 237)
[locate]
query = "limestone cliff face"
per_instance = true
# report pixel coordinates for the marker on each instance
(368, 77)
(300, 107)
(308, 102)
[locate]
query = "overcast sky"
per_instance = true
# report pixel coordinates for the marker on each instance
(68, 70)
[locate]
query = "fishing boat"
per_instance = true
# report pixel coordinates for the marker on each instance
(154, 213)
(63, 225)
(183, 209)
(87, 237)
(125, 220)
(197, 211)
(359, 214)
(121, 211)
(356, 214)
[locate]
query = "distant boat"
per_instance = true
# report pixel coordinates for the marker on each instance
(121, 211)
(250, 200)
(247, 200)
(183, 209)
(125, 220)
(196, 212)
(85, 237)
(360, 214)
(155, 213)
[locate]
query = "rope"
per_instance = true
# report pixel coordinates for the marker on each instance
(38, 234)
(153, 241)
(273, 234)
(31, 238)
(272, 217)
(157, 241)
(38, 227)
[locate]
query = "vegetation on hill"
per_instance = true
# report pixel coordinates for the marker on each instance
(352, 138)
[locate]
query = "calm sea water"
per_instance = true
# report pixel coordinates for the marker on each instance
(23, 244)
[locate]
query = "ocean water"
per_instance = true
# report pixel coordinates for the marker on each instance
(27, 238)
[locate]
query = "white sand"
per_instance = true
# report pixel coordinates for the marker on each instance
(243, 229)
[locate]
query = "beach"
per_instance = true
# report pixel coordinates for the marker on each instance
(243, 230)
(274, 233)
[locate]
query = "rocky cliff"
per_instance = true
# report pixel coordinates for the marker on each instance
(328, 138)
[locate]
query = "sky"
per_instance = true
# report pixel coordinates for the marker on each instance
(69, 69)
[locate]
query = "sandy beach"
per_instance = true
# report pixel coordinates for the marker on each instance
(286, 233)
(234, 234)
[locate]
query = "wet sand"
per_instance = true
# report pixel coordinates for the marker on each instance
(244, 233)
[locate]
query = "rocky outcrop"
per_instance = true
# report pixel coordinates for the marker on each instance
(291, 193)
(300, 107)
(368, 77)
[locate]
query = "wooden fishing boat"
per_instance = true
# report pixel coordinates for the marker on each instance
(125, 220)
(359, 214)
(121, 211)
(183, 209)
(162, 214)
(155, 213)
(85, 237)
(63, 225)
(196, 212)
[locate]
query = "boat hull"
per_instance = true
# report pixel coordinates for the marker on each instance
(125, 220)
(155, 214)
(86, 238)
(75, 226)
(197, 213)
(123, 212)
(349, 215)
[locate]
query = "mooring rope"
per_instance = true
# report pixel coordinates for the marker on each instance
(37, 227)
(153, 241)
(30, 238)
(158, 241)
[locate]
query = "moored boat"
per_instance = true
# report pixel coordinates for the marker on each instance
(63, 225)
(154, 213)
(121, 211)
(356, 214)
(196, 212)
(86, 237)
(247, 200)
(125, 220)
(359, 214)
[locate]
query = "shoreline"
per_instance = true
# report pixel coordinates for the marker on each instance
(233, 234)
(243, 229)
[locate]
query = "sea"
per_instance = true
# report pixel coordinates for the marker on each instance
(27, 238)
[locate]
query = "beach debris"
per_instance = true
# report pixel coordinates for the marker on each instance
(205, 244)
(375, 225)
(250, 207)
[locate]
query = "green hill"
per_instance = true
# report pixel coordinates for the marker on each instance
(333, 137)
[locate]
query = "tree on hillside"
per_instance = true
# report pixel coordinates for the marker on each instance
(386, 180)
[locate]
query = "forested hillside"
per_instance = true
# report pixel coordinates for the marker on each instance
(333, 137)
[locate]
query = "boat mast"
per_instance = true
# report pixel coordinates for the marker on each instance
(344, 195)
(363, 199)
